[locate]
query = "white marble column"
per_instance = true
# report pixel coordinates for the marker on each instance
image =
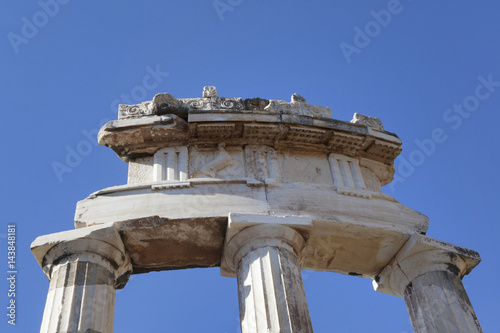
(427, 274)
(84, 274)
(266, 258)
(437, 302)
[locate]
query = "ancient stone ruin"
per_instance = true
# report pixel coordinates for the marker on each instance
(263, 189)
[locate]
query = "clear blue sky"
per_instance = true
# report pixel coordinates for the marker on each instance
(65, 67)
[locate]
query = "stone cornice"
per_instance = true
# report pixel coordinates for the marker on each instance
(166, 103)
(144, 128)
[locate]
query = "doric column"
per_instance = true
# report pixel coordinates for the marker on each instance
(266, 259)
(84, 272)
(427, 273)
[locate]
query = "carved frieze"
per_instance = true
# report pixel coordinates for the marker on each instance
(273, 134)
(262, 163)
(305, 168)
(216, 163)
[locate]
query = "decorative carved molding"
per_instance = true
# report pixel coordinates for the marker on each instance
(384, 151)
(165, 103)
(209, 92)
(260, 132)
(169, 186)
(306, 135)
(280, 125)
(211, 101)
(216, 130)
(346, 143)
(135, 111)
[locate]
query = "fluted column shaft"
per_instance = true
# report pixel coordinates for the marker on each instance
(437, 302)
(81, 296)
(83, 274)
(428, 273)
(270, 289)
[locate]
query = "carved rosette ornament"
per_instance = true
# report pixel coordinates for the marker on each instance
(211, 101)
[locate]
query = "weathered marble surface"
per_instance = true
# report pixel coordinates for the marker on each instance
(166, 103)
(262, 188)
(427, 273)
(266, 257)
(199, 160)
(437, 302)
(84, 268)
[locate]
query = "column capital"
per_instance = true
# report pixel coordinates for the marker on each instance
(420, 255)
(100, 244)
(246, 232)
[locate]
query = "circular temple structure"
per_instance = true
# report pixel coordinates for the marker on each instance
(262, 186)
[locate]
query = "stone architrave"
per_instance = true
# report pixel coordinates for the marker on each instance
(266, 259)
(84, 267)
(427, 273)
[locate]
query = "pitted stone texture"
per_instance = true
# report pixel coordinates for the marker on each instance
(140, 170)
